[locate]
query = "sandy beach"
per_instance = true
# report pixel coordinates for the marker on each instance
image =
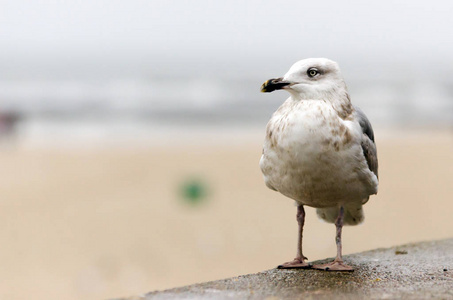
(109, 222)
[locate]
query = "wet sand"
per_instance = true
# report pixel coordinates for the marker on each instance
(107, 222)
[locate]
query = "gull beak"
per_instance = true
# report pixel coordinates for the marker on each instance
(274, 84)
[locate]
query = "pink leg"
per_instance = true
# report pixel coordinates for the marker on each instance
(299, 261)
(337, 264)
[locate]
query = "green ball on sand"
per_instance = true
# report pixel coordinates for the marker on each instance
(193, 191)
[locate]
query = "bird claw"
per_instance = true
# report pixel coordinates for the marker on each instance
(295, 264)
(334, 266)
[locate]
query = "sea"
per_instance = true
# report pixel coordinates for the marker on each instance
(123, 111)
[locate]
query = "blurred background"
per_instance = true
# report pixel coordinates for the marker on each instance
(130, 135)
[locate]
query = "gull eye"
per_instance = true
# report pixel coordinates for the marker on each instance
(312, 72)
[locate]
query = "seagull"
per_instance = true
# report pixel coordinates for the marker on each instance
(319, 150)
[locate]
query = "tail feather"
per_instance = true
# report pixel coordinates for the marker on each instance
(353, 214)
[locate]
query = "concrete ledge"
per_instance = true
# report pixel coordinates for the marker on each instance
(413, 271)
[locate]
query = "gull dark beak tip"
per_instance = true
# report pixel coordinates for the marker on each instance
(264, 86)
(273, 84)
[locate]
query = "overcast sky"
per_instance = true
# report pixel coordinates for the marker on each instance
(231, 36)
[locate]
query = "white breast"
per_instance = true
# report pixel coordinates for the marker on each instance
(314, 157)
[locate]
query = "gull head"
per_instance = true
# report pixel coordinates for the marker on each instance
(312, 78)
